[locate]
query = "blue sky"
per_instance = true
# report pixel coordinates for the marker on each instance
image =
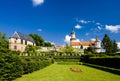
(54, 19)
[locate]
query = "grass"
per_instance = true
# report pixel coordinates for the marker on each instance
(58, 72)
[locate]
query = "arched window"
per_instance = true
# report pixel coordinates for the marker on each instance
(15, 47)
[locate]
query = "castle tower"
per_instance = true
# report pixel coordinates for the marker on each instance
(73, 38)
(97, 46)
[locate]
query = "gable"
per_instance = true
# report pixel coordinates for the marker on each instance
(22, 36)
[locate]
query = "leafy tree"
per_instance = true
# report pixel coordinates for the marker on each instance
(89, 50)
(115, 48)
(30, 49)
(48, 44)
(3, 36)
(107, 44)
(68, 49)
(3, 41)
(39, 41)
(81, 47)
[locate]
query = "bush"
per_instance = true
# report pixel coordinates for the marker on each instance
(112, 70)
(108, 61)
(13, 66)
(112, 61)
(10, 66)
(31, 64)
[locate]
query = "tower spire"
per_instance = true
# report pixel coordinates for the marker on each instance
(73, 31)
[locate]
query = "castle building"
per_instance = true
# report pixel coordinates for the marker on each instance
(19, 41)
(77, 44)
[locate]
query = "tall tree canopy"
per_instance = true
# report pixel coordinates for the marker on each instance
(109, 45)
(3, 41)
(39, 41)
(115, 48)
(3, 36)
(48, 44)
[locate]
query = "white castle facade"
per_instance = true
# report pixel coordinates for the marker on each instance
(77, 44)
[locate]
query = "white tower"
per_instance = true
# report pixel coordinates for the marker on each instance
(73, 38)
(97, 46)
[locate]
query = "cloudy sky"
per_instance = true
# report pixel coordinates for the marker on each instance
(54, 19)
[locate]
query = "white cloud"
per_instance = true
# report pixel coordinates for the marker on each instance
(113, 29)
(93, 39)
(67, 39)
(118, 43)
(99, 27)
(77, 40)
(83, 21)
(39, 30)
(78, 26)
(37, 2)
(98, 23)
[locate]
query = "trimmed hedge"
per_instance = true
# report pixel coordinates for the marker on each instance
(29, 67)
(108, 61)
(112, 70)
(13, 66)
(70, 63)
(113, 62)
(10, 66)
(67, 58)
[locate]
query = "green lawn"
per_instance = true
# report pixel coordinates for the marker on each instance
(57, 72)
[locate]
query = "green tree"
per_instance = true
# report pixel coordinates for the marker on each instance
(3, 36)
(39, 41)
(89, 50)
(30, 49)
(3, 41)
(115, 48)
(68, 49)
(48, 44)
(107, 44)
(81, 47)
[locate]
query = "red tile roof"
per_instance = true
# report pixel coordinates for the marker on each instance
(82, 43)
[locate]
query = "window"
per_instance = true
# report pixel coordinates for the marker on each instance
(15, 47)
(25, 42)
(21, 41)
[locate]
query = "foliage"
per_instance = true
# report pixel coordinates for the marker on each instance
(68, 49)
(109, 45)
(70, 63)
(30, 49)
(89, 50)
(108, 61)
(58, 72)
(115, 48)
(39, 41)
(3, 41)
(48, 44)
(10, 66)
(30, 66)
(3, 36)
